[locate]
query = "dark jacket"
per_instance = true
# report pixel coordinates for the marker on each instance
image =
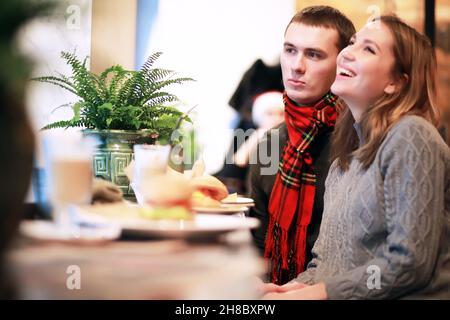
(261, 184)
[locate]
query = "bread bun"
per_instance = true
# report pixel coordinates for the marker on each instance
(199, 199)
(167, 190)
(210, 186)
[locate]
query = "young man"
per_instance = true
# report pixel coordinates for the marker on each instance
(289, 201)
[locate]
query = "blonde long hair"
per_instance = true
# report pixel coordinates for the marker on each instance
(415, 58)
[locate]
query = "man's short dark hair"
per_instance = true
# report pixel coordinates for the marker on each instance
(326, 17)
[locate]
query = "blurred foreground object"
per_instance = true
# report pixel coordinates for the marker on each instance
(16, 136)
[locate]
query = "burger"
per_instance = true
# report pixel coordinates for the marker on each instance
(167, 190)
(167, 197)
(208, 191)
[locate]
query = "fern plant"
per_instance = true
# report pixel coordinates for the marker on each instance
(119, 99)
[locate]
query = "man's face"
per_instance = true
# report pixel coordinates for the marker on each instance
(308, 62)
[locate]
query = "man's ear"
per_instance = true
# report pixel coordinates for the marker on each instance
(397, 84)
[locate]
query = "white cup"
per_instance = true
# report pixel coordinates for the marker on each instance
(149, 160)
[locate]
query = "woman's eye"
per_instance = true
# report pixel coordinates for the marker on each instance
(351, 42)
(369, 49)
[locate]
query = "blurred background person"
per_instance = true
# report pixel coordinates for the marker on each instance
(261, 77)
(267, 113)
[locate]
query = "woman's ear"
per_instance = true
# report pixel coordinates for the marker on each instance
(397, 84)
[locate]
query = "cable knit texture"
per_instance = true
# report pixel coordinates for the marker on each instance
(393, 218)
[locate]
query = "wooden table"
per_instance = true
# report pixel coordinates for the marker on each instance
(171, 269)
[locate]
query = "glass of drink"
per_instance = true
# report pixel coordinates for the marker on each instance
(68, 163)
(149, 160)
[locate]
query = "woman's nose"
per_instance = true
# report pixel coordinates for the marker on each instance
(347, 54)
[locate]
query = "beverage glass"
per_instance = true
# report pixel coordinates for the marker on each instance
(68, 163)
(149, 160)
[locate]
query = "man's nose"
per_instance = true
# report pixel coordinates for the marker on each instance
(299, 64)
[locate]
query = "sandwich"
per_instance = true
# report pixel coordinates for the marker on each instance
(168, 197)
(208, 191)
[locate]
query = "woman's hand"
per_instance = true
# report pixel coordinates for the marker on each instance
(314, 292)
(292, 286)
(264, 288)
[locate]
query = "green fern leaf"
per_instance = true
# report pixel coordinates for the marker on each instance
(58, 124)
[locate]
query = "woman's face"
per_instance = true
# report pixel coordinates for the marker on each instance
(364, 67)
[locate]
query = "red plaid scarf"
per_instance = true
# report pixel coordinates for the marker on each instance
(293, 193)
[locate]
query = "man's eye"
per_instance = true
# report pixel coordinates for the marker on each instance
(289, 50)
(314, 55)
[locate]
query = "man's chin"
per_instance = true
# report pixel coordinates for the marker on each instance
(302, 99)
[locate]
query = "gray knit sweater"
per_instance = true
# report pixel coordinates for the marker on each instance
(385, 232)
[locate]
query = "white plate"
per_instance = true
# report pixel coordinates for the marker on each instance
(224, 209)
(240, 201)
(202, 226)
(49, 231)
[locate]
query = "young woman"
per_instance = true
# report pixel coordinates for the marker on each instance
(385, 232)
